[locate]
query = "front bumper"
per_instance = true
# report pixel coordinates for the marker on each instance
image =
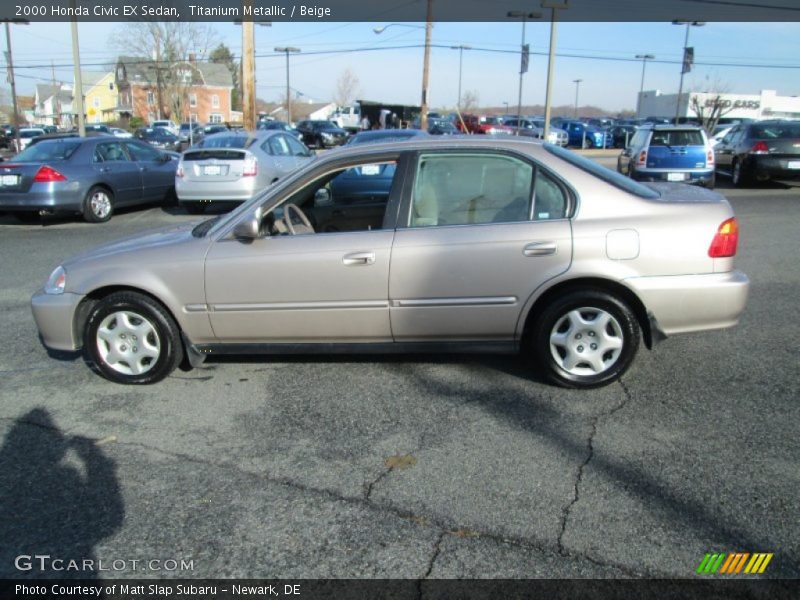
(55, 317)
(685, 303)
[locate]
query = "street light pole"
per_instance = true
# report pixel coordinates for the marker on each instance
(519, 14)
(645, 58)
(288, 50)
(577, 83)
(689, 25)
(460, 49)
(423, 113)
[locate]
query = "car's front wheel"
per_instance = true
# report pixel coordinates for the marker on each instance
(585, 339)
(131, 338)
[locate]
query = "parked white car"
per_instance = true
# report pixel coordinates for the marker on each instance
(26, 134)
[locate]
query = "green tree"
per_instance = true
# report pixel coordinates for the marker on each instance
(223, 55)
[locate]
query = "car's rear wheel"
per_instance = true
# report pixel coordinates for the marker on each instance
(739, 175)
(130, 338)
(98, 206)
(195, 208)
(585, 339)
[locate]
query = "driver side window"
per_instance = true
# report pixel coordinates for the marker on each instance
(346, 200)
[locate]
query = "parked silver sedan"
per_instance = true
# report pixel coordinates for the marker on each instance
(495, 245)
(233, 166)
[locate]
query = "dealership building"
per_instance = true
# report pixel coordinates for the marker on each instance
(766, 105)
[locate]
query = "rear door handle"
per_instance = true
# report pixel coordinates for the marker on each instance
(359, 258)
(540, 249)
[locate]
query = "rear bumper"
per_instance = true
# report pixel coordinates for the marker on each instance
(684, 303)
(701, 177)
(774, 167)
(54, 315)
(232, 191)
(44, 196)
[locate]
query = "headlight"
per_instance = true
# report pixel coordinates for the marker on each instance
(56, 282)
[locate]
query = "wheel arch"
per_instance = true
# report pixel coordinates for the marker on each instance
(92, 298)
(615, 288)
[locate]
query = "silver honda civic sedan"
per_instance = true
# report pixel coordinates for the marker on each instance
(448, 245)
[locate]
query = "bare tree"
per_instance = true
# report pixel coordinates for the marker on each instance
(293, 103)
(712, 106)
(469, 100)
(347, 88)
(166, 47)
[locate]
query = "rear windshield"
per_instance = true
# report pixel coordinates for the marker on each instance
(215, 154)
(30, 134)
(48, 150)
(612, 177)
(776, 131)
(677, 137)
(228, 141)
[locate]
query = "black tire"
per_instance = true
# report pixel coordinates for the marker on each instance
(740, 176)
(555, 316)
(171, 198)
(165, 335)
(712, 182)
(29, 218)
(98, 206)
(195, 208)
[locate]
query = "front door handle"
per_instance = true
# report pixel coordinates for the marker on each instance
(359, 258)
(540, 249)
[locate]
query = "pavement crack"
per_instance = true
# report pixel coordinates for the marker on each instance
(567, 510)
(368, 487)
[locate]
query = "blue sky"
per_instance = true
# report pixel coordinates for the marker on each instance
(395, 75)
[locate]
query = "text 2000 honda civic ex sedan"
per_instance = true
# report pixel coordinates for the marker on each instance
(451, 245)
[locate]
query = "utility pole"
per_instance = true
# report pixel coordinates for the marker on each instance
(684, 66)
(77, 93)
(553, 5)
(423, 114)
(248, 73)
(56, 102)
(10, 61)
(288, 50)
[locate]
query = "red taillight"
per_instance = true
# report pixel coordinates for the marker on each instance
(179, 170)
(250, 167)
(641, 161)
(759, 148)
(47, 174)
(709, 158)
(726, 239)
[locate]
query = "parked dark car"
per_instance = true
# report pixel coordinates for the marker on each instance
(582, 135)
(382, 136)
(196, 132)
(757, 152)
(213, 128)
(321, 134)
(621, 135)
(92, 176)
(280, 126)
(159, 137)
(669, 153)
(442, 127)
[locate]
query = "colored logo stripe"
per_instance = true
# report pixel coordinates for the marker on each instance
(733, 563)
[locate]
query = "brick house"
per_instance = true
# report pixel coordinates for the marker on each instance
(206, 88)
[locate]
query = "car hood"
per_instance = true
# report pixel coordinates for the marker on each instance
(157, 238)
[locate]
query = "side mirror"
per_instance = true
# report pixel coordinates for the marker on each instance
(322, 197)
(249, 229)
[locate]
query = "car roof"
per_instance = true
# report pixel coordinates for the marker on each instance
(514, 143)
(665, 127)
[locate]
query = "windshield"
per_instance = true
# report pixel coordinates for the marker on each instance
(49, 150)
(31, 134)
(612, 177)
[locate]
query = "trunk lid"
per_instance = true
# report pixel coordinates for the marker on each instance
(214, 164)
(16, 177)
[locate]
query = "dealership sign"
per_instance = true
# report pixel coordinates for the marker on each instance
(722, 103)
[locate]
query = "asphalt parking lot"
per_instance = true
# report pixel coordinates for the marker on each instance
(407, 467)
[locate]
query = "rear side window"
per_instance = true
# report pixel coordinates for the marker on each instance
(470, 189)
(143, 152)
(677, 137)
(277, 146)
(111, 152)
(549, 198)
(611, 177)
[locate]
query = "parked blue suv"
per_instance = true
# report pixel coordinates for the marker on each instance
(583, 135)
(669, 153)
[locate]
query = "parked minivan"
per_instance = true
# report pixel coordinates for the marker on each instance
(669, 153)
